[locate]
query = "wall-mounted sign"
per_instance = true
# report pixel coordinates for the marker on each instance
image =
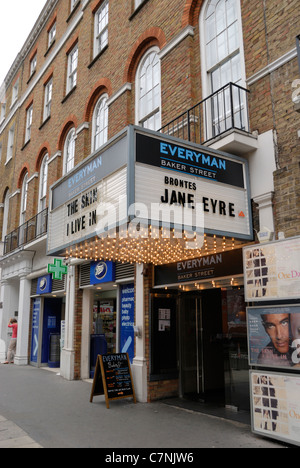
(275, 406)
(272, 271)
(274, 336)
(44, 285)
(57, 269)
(200, 269)
(194, 184)
(102, 272)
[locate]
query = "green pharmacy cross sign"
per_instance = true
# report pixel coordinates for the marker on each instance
(57, 269)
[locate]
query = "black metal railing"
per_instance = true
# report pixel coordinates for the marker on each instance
(31, 230)
(223, 110)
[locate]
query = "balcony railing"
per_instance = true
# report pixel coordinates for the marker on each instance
(34, 228)
(224, 110)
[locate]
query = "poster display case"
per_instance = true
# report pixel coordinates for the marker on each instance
(274, 336)
(275, 405)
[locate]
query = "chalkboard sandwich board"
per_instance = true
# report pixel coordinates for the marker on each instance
(113, 378)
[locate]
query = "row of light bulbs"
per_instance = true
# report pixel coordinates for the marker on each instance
(156, 246)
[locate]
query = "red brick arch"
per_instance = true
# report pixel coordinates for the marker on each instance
(70, 122)
(45, 148)
(24, 170)
(153, 36)
(102, 86)
(191, 12)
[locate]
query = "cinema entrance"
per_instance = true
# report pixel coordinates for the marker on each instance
(199, 329)
(213, 357)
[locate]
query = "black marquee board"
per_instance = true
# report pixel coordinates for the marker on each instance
(113, 378)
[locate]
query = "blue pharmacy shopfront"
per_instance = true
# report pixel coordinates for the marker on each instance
(111, 308)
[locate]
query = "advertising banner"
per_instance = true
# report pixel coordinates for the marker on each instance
(127, 320)
(274, 336)
(276, 406)
(272, 271)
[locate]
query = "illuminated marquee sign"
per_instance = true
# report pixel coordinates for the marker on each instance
(142, 180)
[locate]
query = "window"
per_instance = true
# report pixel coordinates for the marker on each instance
(222, 55)
(48, 99)
(2, 111)
(29, 114)
(69, 151)
(5, 215)
(73, 3)
(101, 28)
(15, 93)
(100, 123)
(33, 64)
(72, 69)
(10, 144)
(43, 183)
(137, 3)
(149, 91)
(24, 196)
(51, 35)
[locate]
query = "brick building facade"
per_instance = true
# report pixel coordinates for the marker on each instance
(90, 53)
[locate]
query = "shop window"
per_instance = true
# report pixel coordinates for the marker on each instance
(105, 320)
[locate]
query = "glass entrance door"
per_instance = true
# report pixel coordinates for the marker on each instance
(201, 346)
(191, 368)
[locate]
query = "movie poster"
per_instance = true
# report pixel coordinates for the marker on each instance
(272, 271)
(274, 336)
(276, 405)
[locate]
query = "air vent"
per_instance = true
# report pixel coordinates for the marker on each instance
(124, 271)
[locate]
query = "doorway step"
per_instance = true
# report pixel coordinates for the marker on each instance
(211, 409)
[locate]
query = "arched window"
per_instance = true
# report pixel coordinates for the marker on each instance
(223, 63)
(43, 183)
(69, 152)
(5, 215)
(24, 196)
(148, 91)
(100, 123)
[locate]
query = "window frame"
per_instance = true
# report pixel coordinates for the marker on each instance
(98, 48)
(51, 34)
(43, 185)
(47, 100)
(104, 129)
(29, 120)
(66, 159)
(10, 143)
(15, 93)
(24, 198)
(33, 65)
(139, 118)
(72, 73)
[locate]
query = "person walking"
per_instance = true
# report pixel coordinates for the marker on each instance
(13, 342)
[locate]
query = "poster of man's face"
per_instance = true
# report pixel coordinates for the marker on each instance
(274, 336)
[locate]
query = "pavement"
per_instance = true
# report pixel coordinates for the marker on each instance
(40, 409)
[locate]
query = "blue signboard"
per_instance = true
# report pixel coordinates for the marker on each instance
(127, 320)
(102, 272)
(44, 285)
(35, 330)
